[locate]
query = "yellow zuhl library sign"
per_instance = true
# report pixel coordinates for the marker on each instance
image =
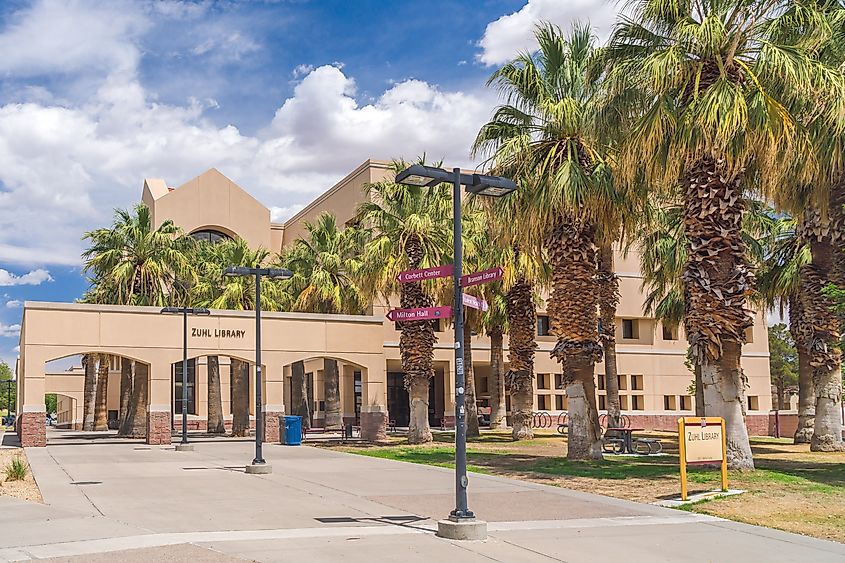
(702, 440)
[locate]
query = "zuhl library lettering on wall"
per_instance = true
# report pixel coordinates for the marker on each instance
(217, 333)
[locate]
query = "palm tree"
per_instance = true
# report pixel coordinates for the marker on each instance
(545, 137)
(779, 285)
(713, 121)
(89, 393)
(324, 266)
(132, 263)
(410, 229)
(216, 291)
(608, 284)
(125, 394)
(101, 418)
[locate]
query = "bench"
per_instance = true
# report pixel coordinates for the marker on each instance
(651, 445)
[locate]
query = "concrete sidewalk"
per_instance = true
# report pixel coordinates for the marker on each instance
(139, 503)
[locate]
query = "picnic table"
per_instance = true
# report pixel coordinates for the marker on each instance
(627, 438)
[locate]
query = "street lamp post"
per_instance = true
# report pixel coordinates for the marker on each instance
(461, 523)
(259, 465)
(184, 446)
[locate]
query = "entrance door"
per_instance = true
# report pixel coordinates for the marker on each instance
(398, 403)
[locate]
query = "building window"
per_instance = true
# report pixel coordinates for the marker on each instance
(602, 402)
(559, 402)
(623, 382)
(753, 403)
(210, 236)
(636, 382)
(543, 326)
(686, 403)
(602, 386)
(543, 402)
(637, 402)
(623, 402)
(482, 385)
(190, 394)
(542, 381)
(558, 381)
(630, 329)
(668, 402)
(670, 332)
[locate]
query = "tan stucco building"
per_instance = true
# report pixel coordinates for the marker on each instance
(654, 380)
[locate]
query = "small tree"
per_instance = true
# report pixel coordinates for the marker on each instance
(783, 363)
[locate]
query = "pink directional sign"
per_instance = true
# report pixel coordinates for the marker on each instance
(484, 276)
(425, 274)
(422, 314)
(474, 302)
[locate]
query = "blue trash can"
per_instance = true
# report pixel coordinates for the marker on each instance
(293, 431)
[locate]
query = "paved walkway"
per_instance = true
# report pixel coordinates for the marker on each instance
(131, 502)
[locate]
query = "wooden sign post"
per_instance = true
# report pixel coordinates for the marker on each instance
(702, 440)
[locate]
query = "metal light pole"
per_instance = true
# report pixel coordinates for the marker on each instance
(184, 446)
(461, 523)
(259, 465)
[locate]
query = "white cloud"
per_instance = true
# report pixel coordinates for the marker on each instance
(35, 277)
(9, 331)
(68, 164)
(280, 214)
(14, 304)
(513, 33)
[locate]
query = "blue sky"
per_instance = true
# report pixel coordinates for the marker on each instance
(284, 97)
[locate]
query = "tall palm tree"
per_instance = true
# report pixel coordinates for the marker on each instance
(134, 263)
(545, 137)
(89, 393)
(410, 229)
(216, 291)
(101, 412)
(778, 283)
(126, 376)
(324, 265)
(713, 122)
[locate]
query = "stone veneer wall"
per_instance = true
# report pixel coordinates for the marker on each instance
(158, 428)
(32, 429)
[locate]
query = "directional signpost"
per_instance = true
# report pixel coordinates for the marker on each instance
(421, 314)
(484, 276)
(475, 302)
(425, 274)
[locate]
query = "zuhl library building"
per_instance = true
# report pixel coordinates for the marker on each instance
(653, 380)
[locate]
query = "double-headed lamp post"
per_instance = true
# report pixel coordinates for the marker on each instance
(259, 466)
(461, 523)
(184, 446)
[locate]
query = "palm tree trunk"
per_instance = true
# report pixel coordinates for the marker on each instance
(573, 311)
(101, 413)
(519, 380)
(416, 347)
(214, 422)
(609, 301)
(821, 331)
(498, 408)
(89, 395)
(469, 376)
(300, 405)
(806, 390)
(717, 280)
(584, 430)
(240, 397)
(125, 395)
(331, 379)
(137, 419)
(699, 393)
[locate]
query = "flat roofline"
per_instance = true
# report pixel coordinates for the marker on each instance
(88, 307)
(369, 163)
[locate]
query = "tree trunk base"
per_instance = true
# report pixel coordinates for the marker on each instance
(804, 433)
(826, 443)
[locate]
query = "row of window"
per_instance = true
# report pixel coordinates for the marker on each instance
(633, 402)
(630, 329)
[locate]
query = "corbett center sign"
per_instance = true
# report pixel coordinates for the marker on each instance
(217, 333)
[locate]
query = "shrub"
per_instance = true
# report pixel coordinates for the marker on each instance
(16, 470)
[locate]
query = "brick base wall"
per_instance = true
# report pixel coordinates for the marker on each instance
(374, 426)
(33, 429)
(787, 424)
(271, 427)
(758, 424)
(158, 428)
